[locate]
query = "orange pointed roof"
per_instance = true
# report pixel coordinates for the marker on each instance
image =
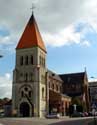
(31, 36)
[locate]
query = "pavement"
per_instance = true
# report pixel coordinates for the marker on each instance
(43, 121)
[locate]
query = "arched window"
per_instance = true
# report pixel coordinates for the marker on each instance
(44, 62)
(21, 77)
(31, 59)
(21, 60)
(26, 77)
(22, 94)
(42, 93)
(26, 89)
(26, 60)
(31, 77)
(40, 60)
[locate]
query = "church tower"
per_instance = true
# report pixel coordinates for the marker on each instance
(29, 75)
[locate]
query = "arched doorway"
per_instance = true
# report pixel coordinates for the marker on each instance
(24, 109)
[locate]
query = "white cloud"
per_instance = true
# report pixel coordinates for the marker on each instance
(86, 43)
(55, 23)
(5, 85)
(92, 80)
(66, 36)
(8, 76)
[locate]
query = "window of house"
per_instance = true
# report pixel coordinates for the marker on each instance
(26, 89)
(31, 59)
(21, 60)
(26, 77)
(43, 62)
(40, 60)
(42, 93)
(31, 77)
(26, 60)
(22, 94)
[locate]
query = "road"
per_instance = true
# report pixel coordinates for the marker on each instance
(41, 121)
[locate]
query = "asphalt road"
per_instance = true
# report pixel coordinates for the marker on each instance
(41, 121)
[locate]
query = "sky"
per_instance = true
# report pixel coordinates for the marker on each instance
(68, 29)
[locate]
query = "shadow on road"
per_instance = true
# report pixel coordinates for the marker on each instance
(72, 122)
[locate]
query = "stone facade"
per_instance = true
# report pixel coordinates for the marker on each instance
(27, 81)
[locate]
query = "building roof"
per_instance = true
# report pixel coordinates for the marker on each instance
(31, 36)
(73, 77)
(93, 84)
(54, 75)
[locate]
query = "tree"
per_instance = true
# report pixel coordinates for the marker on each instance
(81, 106)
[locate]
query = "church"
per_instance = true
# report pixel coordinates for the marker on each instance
(36, 91)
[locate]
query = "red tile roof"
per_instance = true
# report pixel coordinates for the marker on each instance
(31, 36)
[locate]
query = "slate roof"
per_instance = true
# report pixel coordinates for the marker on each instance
(73, 77)
(31, 36)
(54, 75)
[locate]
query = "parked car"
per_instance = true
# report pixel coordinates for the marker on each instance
(77, 114)
(90, 114)
(53, 115)
(85, 114)
(1, 114)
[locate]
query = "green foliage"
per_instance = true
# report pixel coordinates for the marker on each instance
(81, 105)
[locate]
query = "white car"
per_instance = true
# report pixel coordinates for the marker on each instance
(53, 115)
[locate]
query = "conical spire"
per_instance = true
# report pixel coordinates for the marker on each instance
(31, 36)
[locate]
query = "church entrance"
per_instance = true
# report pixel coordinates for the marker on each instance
(24, 109)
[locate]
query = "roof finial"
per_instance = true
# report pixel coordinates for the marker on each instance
(32, 8)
